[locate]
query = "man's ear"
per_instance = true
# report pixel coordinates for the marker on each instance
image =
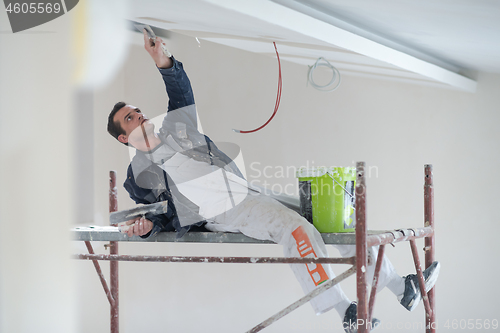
(122, 138)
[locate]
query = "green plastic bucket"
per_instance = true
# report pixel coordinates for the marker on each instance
(327, 197)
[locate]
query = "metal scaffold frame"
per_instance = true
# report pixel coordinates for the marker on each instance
(362, 238)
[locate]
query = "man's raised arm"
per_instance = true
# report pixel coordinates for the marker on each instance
(179, 90)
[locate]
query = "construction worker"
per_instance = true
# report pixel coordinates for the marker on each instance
(205, 189)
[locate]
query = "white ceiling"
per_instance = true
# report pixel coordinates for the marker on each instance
(431, 42)
(463, 32)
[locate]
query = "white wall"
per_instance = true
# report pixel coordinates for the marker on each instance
(37, 276)
(396, 128)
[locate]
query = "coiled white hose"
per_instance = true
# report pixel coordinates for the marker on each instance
(335, 74)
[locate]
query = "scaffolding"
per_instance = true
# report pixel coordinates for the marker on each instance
(362, 238)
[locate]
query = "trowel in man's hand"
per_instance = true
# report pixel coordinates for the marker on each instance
(152, 37)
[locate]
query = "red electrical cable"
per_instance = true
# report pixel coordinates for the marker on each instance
(278, 98)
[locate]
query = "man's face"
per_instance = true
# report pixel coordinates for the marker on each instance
(134, 123)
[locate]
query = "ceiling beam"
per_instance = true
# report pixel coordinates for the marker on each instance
(301, 23)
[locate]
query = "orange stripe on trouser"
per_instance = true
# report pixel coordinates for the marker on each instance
(304, 246)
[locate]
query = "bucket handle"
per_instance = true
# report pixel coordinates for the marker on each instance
(335, 180)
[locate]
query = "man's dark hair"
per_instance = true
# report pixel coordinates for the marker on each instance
(114, 128)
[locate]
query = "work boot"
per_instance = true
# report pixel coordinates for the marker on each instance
(412, 296)
(350, 322)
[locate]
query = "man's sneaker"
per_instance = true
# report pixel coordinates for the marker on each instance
(350, 322)
(412, 296)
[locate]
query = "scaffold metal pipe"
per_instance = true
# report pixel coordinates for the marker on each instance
(113, 250)
(429, 241)
(361, 248)
(101, 276)
(222, 260)
(400, 235)
(376, 274)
